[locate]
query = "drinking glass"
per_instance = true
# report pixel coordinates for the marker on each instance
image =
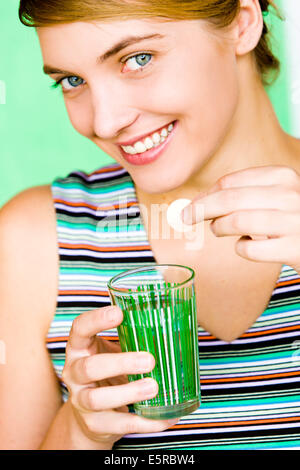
(159, 316)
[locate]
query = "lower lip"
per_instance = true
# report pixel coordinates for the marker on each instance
(150, 155)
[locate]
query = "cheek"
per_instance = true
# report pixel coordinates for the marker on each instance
(203, 91)
(215, 97)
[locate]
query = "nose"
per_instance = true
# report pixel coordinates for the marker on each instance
(112, 110)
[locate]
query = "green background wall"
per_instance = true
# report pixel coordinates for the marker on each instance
(37, 142)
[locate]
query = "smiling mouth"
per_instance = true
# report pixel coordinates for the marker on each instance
(152, 140)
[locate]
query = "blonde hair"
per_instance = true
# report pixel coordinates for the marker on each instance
(221, 13)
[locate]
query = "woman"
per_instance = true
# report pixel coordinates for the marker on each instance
(175, 95)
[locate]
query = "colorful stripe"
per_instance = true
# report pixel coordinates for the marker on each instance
(250, 388)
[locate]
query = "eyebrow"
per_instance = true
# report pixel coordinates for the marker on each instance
(48, 69)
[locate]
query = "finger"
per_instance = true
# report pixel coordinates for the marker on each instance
(256, 176)
(271, 223)
(104, 398)
(277, 250)
(97, 367)
(88, 324)
(116, 423)
(227, 201)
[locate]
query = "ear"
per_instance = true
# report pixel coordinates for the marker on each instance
(249, 26)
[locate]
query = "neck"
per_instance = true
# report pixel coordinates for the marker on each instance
(254, 138)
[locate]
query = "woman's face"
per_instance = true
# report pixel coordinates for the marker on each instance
(182, 74)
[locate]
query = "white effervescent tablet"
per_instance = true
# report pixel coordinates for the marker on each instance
(174, 218)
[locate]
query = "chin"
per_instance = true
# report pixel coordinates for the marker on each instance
(161, 180)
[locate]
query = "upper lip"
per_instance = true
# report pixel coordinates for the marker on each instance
(141, 137)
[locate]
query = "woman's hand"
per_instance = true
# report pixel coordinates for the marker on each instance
(262, 203)
(95, 373)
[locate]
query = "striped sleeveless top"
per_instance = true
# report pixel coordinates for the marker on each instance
(250, 388)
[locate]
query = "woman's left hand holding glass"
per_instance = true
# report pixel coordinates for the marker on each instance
(262, 203)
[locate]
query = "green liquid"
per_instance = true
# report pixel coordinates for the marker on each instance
(167, 328)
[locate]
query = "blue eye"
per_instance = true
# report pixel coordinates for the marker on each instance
(138, 61)
(69, 83)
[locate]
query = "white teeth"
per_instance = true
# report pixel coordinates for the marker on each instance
(129, 149)
(139, 147)
(149, 142)
(155, 137)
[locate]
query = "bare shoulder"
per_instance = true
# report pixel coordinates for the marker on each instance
(28, 238)
(31, 200)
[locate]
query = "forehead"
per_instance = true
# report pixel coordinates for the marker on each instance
(86, 39)
(106, 32)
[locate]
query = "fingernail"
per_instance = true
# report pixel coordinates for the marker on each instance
(148, 385)
(187, 214)
(145, 362)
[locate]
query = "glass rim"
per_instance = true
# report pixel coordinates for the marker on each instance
(147, 268)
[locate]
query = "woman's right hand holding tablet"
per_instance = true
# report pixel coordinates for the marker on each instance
(95, 374)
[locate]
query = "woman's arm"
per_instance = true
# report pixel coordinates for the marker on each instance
(29, 392)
